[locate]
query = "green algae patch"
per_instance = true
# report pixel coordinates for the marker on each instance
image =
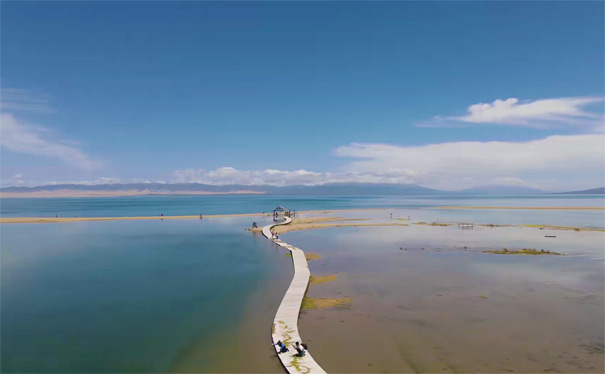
(524, 251)
(299, 368)
(323, 303)
(289, 254)
(312, 256)
(322, 279)
(432, 224)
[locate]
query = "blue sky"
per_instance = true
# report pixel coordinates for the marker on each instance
(303, 92)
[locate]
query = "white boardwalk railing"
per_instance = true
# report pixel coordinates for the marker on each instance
(285, 324)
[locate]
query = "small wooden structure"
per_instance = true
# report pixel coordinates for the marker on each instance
(280, 211)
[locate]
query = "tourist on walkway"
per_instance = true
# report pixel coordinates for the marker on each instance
(282, 346)
(301, 349)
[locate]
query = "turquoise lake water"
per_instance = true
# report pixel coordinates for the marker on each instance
(182, 295)
(139, 297)
(221, 204)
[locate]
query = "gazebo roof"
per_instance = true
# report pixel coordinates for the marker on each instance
(279, 209)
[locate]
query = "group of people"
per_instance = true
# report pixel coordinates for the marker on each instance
(301, 348)
(274, 235)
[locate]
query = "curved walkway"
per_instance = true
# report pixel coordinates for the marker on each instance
(285, 324)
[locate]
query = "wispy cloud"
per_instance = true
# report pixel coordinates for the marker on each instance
(18, 99)
(544, 113)
(36, 140)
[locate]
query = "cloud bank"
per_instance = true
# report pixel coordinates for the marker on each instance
(552, 163)
(555, 162)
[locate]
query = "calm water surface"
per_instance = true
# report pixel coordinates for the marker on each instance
(427, 299)
(225, 204)
(200, 295)
(158, 296)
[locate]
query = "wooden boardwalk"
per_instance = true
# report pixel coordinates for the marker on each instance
(285, 324)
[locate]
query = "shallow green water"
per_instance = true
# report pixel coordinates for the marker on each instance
(139, 297)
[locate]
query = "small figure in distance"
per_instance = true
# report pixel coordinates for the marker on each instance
(282, 347)
(254, 225)
(201, 216)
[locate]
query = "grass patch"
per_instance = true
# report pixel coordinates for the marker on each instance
(311, 303)
(323, 279)
(523, 251)
(312, 256)
(288, 254)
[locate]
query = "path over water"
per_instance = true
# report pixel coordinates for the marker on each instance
(285, 324)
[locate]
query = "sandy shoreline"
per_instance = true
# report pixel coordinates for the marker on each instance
(526, 207)
(142, 218)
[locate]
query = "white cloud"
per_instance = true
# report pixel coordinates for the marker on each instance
(35, 140)
(552, 163)
(545, 113)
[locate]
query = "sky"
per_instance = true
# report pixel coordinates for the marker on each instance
(447, 95)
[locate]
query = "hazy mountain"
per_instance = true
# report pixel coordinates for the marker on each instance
(600, 191)
(197, 188)
(501, 189)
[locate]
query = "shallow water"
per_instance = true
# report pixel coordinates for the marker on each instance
(155, 296)
(427, 299)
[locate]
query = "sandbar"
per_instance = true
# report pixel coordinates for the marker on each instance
(80, 219)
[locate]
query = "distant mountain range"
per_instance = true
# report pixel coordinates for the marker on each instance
(203, 189)
(134, 189)
(595, 191)
(502, 189)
